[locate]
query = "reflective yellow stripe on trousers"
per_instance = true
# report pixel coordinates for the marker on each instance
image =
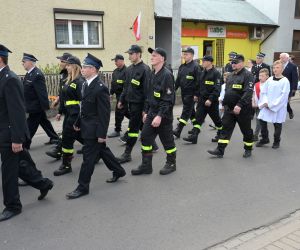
(223, 141)
(170, 151)
(249, 144)
(146, 148)
(69, 151)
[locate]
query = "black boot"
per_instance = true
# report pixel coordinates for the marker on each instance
(218, 152)
(170, 165)
(247, 153)
(145, 167)
(126, 156)
(65, 167)
(56, 152)
(193, 138)
(262, 142)
(178, 130)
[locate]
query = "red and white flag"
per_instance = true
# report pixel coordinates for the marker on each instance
(137, 27)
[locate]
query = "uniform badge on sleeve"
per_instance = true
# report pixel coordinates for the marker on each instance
(169, 92)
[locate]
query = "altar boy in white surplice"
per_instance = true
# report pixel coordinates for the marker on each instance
(273, 105)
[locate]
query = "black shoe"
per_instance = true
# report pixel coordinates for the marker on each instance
(52, 141)
(168, 168)
(247, 153)
(115, 178)
(22, 183)
(291, 115)
(276, 145)
(141, 170)
(123, 139)
(125, 157)
(44, 192)
(191, 138)
(216, 152)
(7, 214)
(76, 194)
(79, 151)
(262, 142)
(216, 139)
(114, 134)
(62, 170)
(54, 154)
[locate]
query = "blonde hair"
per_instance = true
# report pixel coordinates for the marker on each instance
(277, 63)
(264, 70)
(76, 72)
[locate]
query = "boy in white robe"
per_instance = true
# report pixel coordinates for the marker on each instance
(273, 105)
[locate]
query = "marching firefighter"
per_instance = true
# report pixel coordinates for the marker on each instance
(186, 80)
(158, 116)
(237, 103)
(70, 104)
(207, 95)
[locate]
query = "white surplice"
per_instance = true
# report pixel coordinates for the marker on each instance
(275, 93)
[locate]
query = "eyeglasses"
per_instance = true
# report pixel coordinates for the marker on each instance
(234, 62)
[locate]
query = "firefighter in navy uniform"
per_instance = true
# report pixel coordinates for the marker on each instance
(134, 94)
(259, 64)
(16, 160)
(36, 100)
(208, 92)
(237, 107)
(158, 115)
(187, 78)
(93, 123)
(117, 84)
(70, 107)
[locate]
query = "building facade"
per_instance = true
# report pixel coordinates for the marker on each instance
(47, 28)
(215, 27)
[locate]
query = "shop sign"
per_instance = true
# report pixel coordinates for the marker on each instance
(216, 31)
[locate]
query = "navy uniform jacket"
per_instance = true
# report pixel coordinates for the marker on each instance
(118, 81)
(35, 92)
(291, 73)
(239, 90)
(161, 96)
(256, 68)
(187, 78)
(13, 125)
(95, 110)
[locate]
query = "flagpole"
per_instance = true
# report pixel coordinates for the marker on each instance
(176, 34)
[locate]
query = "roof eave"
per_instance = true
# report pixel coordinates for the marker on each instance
(222, 22)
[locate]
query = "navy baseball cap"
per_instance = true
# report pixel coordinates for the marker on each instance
(188, 50)
(208, 58)
(261, 55)
(118, 57)
(64, 57)
(73, 60)
(159, 51)
(238, 58)
(134, 49)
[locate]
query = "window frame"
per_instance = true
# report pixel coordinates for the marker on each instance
(85, 29)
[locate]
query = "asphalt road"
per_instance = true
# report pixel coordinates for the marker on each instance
(205, 201)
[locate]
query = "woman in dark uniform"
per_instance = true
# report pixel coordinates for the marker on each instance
(70, 104)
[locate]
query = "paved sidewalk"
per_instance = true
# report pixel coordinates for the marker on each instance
(283, 234)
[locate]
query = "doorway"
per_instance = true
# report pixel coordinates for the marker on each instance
(208, 48)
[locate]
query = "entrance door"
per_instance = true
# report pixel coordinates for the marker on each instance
(208, 48)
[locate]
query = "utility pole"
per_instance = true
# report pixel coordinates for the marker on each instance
(176, 34)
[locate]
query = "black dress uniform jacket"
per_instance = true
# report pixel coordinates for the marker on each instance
(137, 83)
(256, 68)
(161, 95)
(239, 90)
(187, 78)
(209, 85)
(13, 126)
(35, 91)
(95, 110)
(291, 73)
(62, 81)
(118, 81)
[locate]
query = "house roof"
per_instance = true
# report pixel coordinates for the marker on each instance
(222, 11)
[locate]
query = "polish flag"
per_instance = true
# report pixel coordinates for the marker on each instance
(137, 27)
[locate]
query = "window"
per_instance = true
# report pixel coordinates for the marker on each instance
(297, 9)
(78, 29)
(296, 40)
